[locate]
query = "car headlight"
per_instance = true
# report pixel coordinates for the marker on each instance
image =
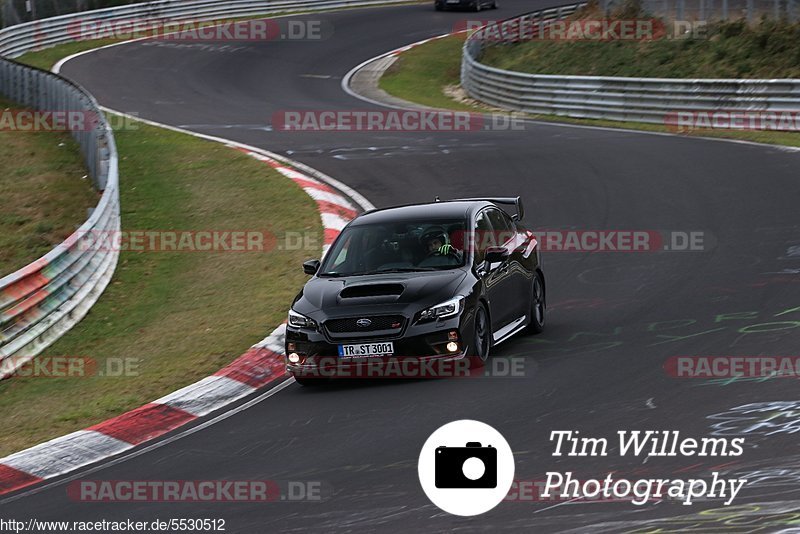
(449, 308)
(301, 321)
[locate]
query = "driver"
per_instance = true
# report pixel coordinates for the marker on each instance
(437, 243)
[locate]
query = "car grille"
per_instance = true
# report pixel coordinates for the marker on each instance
(390, 324)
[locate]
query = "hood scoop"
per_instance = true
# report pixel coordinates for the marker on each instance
(371, 290)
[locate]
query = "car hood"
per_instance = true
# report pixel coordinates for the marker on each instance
(406, 293)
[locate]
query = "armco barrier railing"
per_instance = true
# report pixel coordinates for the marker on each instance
(17, 40)
(653, 100)
(42, 301)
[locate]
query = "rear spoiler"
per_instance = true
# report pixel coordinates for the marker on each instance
(511, 201)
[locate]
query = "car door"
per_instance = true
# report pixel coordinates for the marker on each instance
(497, 280)
(519, 276)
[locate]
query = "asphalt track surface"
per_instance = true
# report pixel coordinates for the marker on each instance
(614, 317)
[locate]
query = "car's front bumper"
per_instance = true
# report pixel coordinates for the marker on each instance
(420, 351)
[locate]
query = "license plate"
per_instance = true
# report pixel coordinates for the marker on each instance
(366, 350)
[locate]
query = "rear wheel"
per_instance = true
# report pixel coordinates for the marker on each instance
(538, 306)
(477, 5)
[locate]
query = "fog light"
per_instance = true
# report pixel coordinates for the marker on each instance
(452, 346)
(294, 357)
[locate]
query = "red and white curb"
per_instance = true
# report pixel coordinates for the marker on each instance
(336, 210)
(256, 368)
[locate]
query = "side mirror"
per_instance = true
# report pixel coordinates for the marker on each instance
(496, 255)
(311, 267)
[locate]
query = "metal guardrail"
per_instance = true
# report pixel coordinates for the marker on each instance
(42, 301)
(16, 40)
(651, 100)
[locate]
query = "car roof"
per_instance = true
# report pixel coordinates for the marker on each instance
(456, 209)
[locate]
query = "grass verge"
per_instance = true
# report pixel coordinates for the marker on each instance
(174, 317)
(428, 74)
(765, 49)
(45, 59)
(45, 193)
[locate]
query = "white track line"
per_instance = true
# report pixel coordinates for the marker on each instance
(158, 444)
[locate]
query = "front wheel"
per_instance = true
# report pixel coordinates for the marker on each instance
(538, 305)
(482, 337)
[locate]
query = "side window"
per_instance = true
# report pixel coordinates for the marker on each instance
(502, 224)
(482, 238)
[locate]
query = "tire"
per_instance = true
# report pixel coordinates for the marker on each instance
(538, 305)
(482, 338)
(437, 7)
(494, 5)
(477, 5)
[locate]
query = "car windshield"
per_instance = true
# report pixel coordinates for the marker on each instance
(401, 246)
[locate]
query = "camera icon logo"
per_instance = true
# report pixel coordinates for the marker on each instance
(466, 468)
(472, 466)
